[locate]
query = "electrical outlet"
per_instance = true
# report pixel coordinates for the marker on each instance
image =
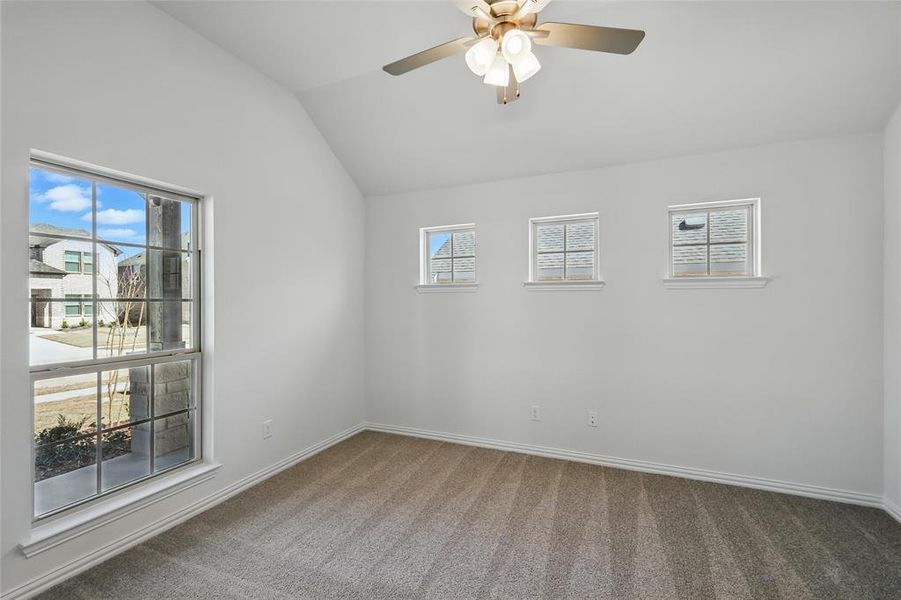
(592, 418)
(267, 429)
(536, 413)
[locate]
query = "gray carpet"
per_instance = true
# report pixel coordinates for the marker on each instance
(383, 516)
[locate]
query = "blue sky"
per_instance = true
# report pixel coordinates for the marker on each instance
(65, 201)
(436, 240)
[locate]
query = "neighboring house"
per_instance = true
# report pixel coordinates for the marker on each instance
(442, 265)
(63, 269)
(176, 283)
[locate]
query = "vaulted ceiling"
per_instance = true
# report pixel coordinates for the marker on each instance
(708, 76)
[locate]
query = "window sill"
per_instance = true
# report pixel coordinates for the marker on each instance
(428, 288)
(681, 283)
(570, 286)
(63, 529)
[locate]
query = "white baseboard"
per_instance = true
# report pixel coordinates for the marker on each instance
(759, 483)
(892, 509)
(44, 582)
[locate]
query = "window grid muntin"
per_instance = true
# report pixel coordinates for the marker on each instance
(449, 232)
(193, 411)
(752, 259)
(193, 253)
(563, 221)
(151, 358)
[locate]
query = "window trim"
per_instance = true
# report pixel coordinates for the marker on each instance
(170, 476)
(425, 285)
(595, 283)
(755, 280)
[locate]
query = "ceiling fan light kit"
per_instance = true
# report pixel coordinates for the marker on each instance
(498, 74)
(480, 57)
(501, 50)
(526, 67)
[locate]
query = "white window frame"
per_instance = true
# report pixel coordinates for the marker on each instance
(595, 283)
(425, 281)
(754, 280)
(64, 521)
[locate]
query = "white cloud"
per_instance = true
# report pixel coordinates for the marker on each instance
(117, 232)
(114, 216)
(67, 198)
(57, 177)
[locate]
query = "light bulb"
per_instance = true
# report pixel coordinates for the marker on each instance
(526, 67)
(515, 46)
(498, 73)
(481, 55)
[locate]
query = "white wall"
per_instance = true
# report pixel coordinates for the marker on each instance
(892, 276)
(125, 86)
(783, 382)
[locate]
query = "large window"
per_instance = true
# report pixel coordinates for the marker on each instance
(448, 254)
(716, 239)
(114, 339)
(564, 248)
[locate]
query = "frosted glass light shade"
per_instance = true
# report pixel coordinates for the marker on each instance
(526, 67)
(498, 74)
(515, 46)
(481, 55)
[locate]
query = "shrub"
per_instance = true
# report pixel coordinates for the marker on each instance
(83, 323)
(65, 324)
(100, 323)
(58, 451)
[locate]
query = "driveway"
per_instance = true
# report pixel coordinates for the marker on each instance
(47, 351)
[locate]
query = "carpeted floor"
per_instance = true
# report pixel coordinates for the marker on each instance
(383, 516)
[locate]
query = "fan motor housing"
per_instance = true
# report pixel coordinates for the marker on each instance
(502, 10)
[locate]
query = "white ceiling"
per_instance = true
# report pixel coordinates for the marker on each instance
(708, 76)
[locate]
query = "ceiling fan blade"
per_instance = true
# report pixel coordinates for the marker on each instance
(536, 33)
(421, 59)
(590, 37)
(474, 8)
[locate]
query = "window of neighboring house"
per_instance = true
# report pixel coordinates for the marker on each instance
(78, 262)
(715, 239)
(564, 248)
(73, 261)
(448, 254)
(116, 401)
(79, 305)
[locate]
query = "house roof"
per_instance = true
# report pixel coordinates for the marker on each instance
(138, 259)
(43, 242)
(42, 268)
(134, 260)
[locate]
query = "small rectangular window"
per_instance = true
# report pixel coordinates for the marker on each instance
(715, 239)
(78, 305)
(564, 248)
(448, 254)
(87, 263)
(73, 305)
(73, 261)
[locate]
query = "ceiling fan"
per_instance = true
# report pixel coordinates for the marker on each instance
(501, 50)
